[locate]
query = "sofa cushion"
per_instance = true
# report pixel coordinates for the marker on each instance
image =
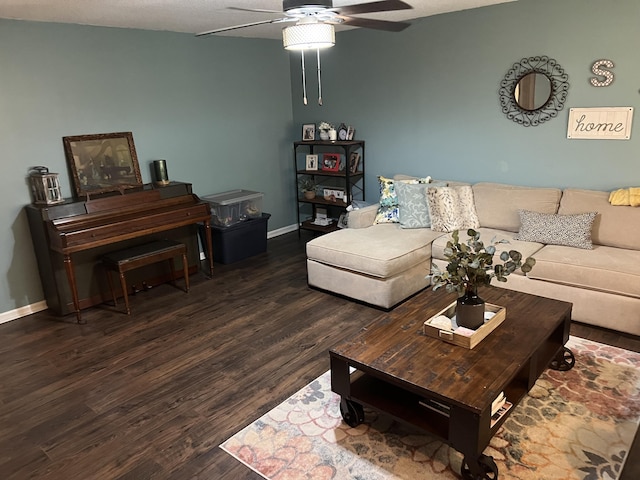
(607, 269)
(554, 229)
(614, 226)
(381, 250)
(412, 204)
(388, 211)
(451, 208)
(497, 205)
(490, 236)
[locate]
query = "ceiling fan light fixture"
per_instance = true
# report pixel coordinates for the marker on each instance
(304, 36)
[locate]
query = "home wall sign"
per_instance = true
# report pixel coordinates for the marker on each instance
(602, 72)
(533, 91)
(601, 123)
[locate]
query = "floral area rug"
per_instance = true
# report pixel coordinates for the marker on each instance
(577, 424)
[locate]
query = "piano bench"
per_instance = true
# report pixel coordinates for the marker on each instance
(122, 261)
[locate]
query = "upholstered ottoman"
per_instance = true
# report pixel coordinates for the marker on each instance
(381, 269)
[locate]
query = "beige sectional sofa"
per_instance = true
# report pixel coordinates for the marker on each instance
(384, 264)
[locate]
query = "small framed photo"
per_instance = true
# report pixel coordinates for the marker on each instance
(350, 132)
(354, 161)
(308, 132)
(333, 194)
(331, 162)
(312, 162)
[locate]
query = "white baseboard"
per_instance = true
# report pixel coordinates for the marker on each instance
(23, 311)
(42, 305)
(282, 231)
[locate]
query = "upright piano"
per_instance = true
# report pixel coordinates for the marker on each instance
(69, 238)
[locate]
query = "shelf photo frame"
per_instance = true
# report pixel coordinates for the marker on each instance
(354, 161)
(350, 132)
(308, 132)
(331, 162)
(103, 162)
(311, 162)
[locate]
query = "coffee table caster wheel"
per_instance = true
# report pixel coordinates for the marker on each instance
(352, 413)
(486, 469)
(564, 360)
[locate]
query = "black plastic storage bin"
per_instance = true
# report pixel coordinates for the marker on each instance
(242, 240)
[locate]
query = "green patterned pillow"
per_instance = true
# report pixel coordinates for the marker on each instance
(388, 212)
(413, 205)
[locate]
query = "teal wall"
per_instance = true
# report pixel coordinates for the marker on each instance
(426, 100)
(217, 109)
(223, 111)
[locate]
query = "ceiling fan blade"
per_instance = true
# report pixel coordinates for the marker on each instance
(259, 10)
(236, 27)
(373, 7)
(376, 24)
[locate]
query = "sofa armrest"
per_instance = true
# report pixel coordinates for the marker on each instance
(362, 217)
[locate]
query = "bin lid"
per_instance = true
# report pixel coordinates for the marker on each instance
(232, 196)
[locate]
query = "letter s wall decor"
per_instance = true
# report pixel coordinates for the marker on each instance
(598, 70)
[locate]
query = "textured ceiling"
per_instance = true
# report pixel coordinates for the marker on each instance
(193, 16)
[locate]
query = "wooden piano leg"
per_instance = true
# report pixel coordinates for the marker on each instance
(71, 278)
(209, 246)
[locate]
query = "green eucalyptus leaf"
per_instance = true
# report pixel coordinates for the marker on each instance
(472, 263)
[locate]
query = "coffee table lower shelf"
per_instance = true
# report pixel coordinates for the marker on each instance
(406, 406)
(466, 431)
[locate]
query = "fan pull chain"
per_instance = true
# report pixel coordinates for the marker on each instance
(304, 80)
(319, 80)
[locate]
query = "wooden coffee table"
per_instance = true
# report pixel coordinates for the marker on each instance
(398, 369)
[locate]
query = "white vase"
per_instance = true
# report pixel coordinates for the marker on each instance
(324, 135)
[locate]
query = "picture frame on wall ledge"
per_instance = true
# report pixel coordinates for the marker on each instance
(102, 162)
(331, 162)
(308, 132)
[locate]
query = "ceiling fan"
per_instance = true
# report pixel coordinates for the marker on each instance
(314, 25)
(323, 11)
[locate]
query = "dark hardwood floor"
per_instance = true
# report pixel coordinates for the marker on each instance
(152, 395)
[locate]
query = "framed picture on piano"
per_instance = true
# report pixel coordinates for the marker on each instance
(102, 162)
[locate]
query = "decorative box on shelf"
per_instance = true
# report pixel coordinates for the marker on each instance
(461, 336)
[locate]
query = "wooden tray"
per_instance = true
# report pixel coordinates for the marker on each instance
(463, 340)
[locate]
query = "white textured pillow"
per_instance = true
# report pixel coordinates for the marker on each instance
(452, 208)
(556, 229)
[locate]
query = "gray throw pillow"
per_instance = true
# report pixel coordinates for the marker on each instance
(555, 229)
(413, 205)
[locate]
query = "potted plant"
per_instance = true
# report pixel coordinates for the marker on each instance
(308, 187)
(326, 130)
(470, 266)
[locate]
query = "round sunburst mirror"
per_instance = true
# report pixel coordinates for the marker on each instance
(533, 91)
